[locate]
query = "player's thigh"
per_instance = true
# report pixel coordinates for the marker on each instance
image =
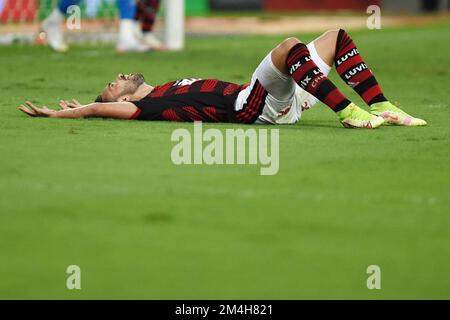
(325, 46)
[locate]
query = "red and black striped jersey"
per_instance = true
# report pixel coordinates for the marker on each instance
(190, 100)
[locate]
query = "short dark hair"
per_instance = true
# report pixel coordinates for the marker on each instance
(99, 98)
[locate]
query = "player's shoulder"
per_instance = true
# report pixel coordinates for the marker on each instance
(165, 88)
(185, 82)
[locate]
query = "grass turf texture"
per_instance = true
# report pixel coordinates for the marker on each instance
(104, 195)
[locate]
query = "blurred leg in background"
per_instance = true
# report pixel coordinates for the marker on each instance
(146, 13)
(92, 8)
(2, 4)
(52, 25)
(127, 41)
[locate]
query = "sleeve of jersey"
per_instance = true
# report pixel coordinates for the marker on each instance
(147, 110)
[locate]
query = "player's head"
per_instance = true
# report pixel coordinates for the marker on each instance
(122, 88)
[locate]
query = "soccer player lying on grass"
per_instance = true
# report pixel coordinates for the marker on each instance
(289, 80)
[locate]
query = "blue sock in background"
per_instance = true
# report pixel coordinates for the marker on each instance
(64, 4)
(127, 9)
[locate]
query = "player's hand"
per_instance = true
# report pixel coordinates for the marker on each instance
(33, 111)
(69, 104)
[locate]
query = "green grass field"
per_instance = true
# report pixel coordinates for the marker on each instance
(104, 194)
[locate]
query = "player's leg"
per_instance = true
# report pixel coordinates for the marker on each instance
(352, 68)
(292, 57)
(271, 92)
(127, 40)
(92, 7)
(52, 25)
(148, 11)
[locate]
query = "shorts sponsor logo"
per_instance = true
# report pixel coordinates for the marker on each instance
(306, 106)
(284, 111)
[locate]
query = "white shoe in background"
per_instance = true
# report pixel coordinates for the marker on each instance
(137, 30)
(147, 38)
(150, 39)
(52, 28)
(127, 41)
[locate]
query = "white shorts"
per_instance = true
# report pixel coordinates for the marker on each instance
(285, 100)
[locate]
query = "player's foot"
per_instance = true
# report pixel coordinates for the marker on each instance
(353, 116)
(131, 46)
(128, 42)
(394, 115)
(52, 28)
(152, 41)
(147, 38)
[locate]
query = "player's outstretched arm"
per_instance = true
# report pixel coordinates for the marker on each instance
(73, 109)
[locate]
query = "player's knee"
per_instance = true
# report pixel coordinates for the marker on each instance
(288, 44)
(282, 50)
(329, 39)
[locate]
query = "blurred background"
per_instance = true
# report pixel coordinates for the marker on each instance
(19, 19)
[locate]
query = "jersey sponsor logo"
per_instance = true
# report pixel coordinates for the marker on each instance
(346, 56)
(361, 67)
(185, 82)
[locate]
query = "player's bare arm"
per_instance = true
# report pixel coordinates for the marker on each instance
(289, 80)
(114, 110)
(112, 101)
